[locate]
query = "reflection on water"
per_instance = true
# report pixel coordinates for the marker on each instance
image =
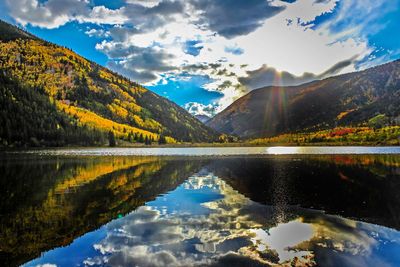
(339, 210)
(217, 151)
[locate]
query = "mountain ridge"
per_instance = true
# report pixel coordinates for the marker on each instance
(92, 98)
(343, 100)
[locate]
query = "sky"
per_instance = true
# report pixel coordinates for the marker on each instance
(205, 54)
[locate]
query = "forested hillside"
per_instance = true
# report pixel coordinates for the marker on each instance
(369, 98)
(52, 96)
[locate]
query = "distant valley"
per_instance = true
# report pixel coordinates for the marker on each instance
(50, 96)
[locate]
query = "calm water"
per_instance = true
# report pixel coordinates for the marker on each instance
(217, 151)
(79, 208)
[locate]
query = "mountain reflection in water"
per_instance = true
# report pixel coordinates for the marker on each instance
(339, 210)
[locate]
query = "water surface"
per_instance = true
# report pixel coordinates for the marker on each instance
(253, 210)
(217, 151)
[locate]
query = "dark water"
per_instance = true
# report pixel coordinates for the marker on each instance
(325, 210)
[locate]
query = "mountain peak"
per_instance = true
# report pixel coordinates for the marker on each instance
(53, 96)
(348, 99)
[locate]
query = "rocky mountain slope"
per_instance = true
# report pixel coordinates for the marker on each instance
(351, 99)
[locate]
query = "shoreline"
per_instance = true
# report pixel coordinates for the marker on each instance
(206, 145)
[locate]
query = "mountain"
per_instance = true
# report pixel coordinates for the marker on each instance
(49, 95)
(57, 201)
(202, 118)
(351, 99)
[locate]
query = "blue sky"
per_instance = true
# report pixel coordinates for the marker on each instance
(204, 54)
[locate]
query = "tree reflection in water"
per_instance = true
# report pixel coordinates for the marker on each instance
(226, 210)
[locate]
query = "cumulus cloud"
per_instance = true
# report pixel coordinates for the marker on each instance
(103, 15)
(146, 3)
(50, 14)
(231, 18)
(233, 231)
(138, 63)
(55, 13)
(239, 45)
(195, 108)
(266, 76)
(97, 33)
(146, 18)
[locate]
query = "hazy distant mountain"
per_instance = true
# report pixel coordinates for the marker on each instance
(349, 99)
(50, 95)
(202, 118)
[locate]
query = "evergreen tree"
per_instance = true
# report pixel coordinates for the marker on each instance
(141, 138)
(111, 139)
(130, 137)
(162, 140)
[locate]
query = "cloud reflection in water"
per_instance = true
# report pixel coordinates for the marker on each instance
(219, 227)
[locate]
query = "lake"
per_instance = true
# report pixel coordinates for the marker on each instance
(299, 206)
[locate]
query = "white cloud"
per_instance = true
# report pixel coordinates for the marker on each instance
(50, 14)
(195, 108)
(233, 228)
(55, 13)
(295, 48)
(146, 3)
(149, 40)
(307, 10)
(103, 15)
(97, 33)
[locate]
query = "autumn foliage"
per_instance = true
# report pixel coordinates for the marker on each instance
(87, 96)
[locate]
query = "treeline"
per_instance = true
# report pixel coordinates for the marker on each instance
(29, 118)
(385, 135)
(84, 93)
(136, 138)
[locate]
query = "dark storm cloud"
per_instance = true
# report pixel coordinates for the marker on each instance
(235, 260)
(339, 66)
(142, 57)
(195, 67)
(266, 76)
(201, 66)
(228, 18)
(138, 76)
(120, 34)
(150, 59)
(166, 8)
(49, 14)
(138, 63)
(231, 18)
(162, 258)
(145, 19)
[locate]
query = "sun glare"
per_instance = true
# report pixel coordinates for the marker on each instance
(283, 238)
(282, 150)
